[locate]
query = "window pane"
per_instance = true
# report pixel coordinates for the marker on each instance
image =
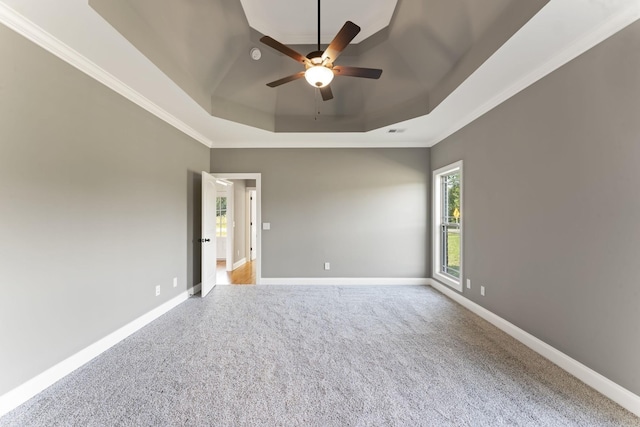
(451, 198)
(451, 263)
(223, 225)
(221, 203)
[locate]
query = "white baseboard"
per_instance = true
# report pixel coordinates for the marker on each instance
(613, 391)
(26, 391)
(344, 281)
(240, 263)
(602, 384)
(197, 288)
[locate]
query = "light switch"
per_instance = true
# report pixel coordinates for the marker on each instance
(266, 226)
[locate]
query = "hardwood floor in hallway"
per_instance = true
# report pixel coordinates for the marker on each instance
(244, 275)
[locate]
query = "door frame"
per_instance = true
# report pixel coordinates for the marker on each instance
(229, 248)
(249, 235)
(258, 178)
(247, 223)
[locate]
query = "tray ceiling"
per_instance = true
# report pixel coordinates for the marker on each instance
(182, 91)
(426, 48)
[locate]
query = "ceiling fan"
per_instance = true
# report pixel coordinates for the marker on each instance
(320, 65)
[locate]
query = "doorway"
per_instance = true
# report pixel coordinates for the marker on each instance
(238, 225)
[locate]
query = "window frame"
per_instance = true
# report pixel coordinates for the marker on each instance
(436, 212)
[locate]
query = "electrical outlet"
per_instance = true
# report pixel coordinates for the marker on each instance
(482, 290)
(327, 266)
(175, 282)
(157, 290)
(468, 283)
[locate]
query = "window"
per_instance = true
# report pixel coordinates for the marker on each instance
(221, 216)
(447, 219)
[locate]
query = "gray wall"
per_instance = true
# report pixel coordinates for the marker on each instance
(98, 205)
(551, 203)
(363, 210)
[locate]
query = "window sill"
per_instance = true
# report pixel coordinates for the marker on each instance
(457, 285)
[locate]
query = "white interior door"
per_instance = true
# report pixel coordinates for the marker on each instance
(254, 225)
(208, 239)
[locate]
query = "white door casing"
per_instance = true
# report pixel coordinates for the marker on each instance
(247, 225)
(208, 238)
(254, 225)
(231, 225)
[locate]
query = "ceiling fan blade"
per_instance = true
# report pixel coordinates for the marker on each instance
(348, 31)
(326, 93)
(369, 73)
(284, 49)
(286, 79)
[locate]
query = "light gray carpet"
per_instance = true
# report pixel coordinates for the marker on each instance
(319, 356)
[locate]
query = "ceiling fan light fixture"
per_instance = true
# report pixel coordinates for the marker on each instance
(320, 64)
(318, 76)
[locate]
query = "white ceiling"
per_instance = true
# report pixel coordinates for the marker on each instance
(295, 22)
(560, 31)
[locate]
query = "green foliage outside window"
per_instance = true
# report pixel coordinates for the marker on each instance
(221, 217)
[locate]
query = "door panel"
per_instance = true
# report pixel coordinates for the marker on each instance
(208, 233)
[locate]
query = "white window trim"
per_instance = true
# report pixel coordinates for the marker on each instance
(435, 215)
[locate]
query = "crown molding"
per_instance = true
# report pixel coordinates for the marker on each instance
(23, 26)
(450, 116)
(576, 48)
